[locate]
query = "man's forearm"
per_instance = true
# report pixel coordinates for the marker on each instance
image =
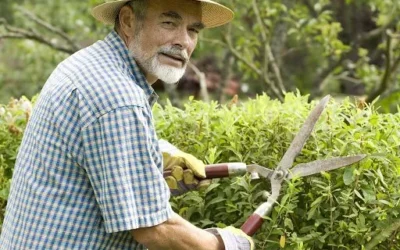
(177, 234)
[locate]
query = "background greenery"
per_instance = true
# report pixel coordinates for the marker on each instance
(341, 47)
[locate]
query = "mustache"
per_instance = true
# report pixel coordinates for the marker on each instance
(175, 52)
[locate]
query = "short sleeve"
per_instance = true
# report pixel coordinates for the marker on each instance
(124, 165)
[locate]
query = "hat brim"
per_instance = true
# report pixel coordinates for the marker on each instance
(213, 14)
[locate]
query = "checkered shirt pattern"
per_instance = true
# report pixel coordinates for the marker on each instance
(89, 168)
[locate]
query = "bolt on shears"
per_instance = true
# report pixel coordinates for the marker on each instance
(284, 170)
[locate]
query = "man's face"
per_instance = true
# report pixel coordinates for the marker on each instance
(167, 38)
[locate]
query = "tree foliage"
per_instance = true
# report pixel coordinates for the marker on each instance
(340, 47)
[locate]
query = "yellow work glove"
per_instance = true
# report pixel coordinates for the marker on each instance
(182, 171)
(233, 238)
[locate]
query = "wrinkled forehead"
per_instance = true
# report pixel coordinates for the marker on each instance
(187, 9)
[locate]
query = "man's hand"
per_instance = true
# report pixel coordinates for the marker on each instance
(178, 158)
(177, 234)
(183, 170)
(233, 238)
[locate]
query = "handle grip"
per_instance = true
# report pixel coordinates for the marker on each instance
(252, 224)
(225, 170)
(217, 170)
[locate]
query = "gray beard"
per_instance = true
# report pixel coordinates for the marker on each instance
(151, 65)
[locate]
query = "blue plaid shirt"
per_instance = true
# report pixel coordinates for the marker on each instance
(89, 168)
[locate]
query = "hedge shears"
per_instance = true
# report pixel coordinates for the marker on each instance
(283, 171)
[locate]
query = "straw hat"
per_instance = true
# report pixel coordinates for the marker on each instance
(213, 14)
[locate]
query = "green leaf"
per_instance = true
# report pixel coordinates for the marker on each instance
(348, 176)
(369, 194)
(311, 213)
(289, 223)
(381, 178)
(317, 201)
(211, 187)
(358, 194)
(216, 200)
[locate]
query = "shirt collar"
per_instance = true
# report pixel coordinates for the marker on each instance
(118, 45)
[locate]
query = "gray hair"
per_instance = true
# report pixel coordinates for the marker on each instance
(139, 8)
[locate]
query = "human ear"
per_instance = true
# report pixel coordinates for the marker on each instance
(126, 21)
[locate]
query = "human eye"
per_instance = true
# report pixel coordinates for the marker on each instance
(193, 30)
(168, 24)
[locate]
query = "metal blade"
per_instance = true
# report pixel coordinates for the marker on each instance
(275, 189)
(302, 136)
(265, 208)
(259, 170)
(314, 167)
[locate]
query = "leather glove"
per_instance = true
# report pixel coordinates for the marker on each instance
(233, 238)
(182, 171)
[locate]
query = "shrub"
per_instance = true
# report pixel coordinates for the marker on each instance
(351, 208)
(342, 209)
(13, 118)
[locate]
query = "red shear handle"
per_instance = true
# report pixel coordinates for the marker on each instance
(252, 224)
(217, 170)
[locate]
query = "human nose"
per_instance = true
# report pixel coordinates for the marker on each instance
(185, 40)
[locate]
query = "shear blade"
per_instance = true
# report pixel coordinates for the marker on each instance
(259, 170)
(314, 167)
(302, 136)
(265, 208)
(275, 189)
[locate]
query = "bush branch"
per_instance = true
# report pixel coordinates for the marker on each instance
(12, 32)
(269, 57)
(19, 33)
(310, 8)
(49, 27)
(389, 68)
(236, 53)
(202, 80)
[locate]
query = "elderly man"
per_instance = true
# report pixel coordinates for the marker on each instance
(89, 173)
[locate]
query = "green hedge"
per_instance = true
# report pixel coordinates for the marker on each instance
(344, 209)
(13, 117)
(353, 208)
